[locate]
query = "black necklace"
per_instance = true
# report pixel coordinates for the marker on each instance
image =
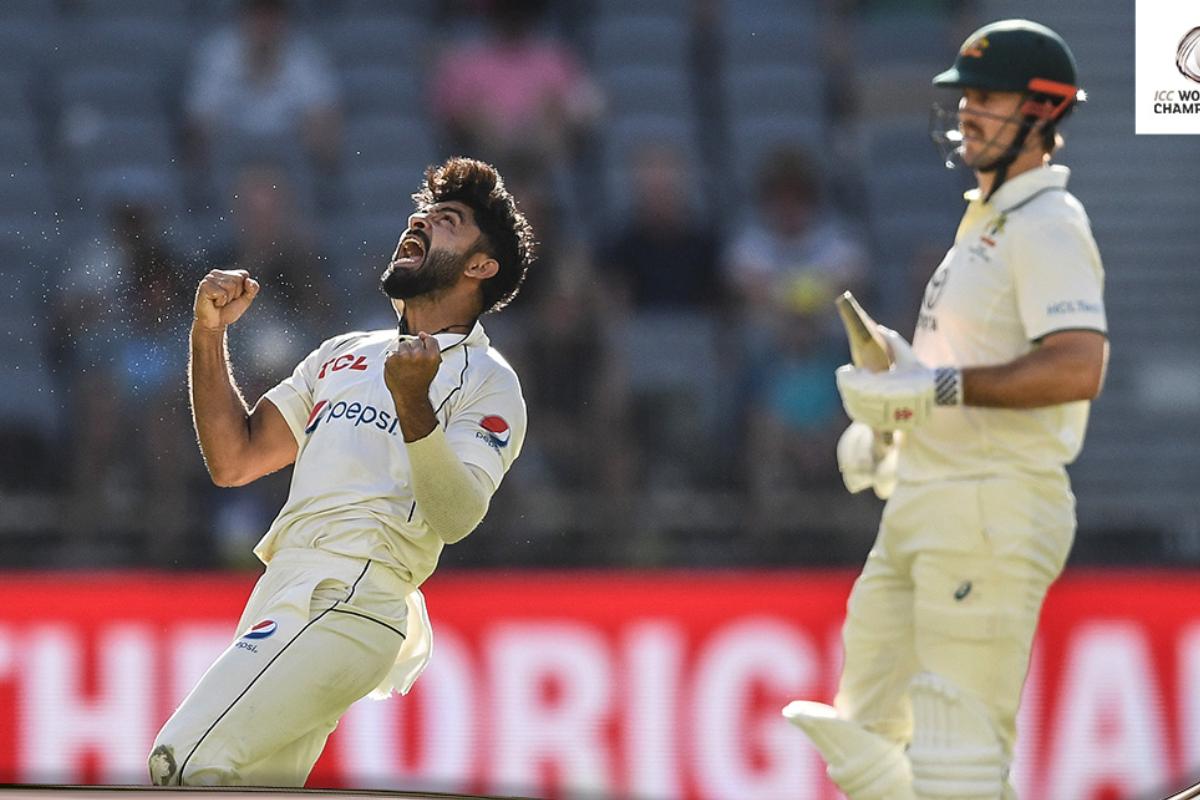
(462, 326)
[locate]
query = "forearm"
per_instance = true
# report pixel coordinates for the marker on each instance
(452, 496)
(1043, 377)
(219, 413)
(416, 416)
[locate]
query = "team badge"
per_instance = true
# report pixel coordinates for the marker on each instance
(975, 48)
(495, 431)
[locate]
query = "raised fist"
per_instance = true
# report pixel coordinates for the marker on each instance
(410, 369)
(223, 296)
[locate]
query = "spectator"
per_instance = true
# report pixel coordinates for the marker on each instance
(513, 93)
(129, 422)
(794, 415)
(792, 240)
(664, 257)
(262, 87)
(273, 241)
(574, 389)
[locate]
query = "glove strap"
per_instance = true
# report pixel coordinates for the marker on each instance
(948, 388)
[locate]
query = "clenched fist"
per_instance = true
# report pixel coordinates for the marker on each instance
(223, 296)
(410, 369)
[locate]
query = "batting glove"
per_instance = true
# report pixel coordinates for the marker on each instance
(866, 462)
(901, 398)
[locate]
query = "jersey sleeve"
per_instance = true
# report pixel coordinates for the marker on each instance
(487, 428)
(1059, 279)
(293, 396)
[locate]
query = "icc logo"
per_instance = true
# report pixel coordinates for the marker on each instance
(1186, 58)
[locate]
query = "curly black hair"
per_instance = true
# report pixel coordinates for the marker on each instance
(505, 233)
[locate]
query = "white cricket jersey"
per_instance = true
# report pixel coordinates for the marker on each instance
(351, 491)
(1023, 265)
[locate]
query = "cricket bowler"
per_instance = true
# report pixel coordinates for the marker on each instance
(399, 439)
(991, 402)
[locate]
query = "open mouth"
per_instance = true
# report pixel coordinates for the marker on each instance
(411, 250)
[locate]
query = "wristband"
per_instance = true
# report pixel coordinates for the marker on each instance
(948, 388)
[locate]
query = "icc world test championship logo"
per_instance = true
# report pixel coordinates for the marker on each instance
(1188, 57)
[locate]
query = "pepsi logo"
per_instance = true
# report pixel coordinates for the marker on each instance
(496, 429)
(314, 419)
(261, 630)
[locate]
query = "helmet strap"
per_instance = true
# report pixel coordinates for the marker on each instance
(1004, 160)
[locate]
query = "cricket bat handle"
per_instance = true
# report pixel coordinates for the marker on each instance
(868, 348)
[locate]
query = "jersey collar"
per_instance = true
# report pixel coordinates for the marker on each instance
(476, 338)
(1022, 187)
(448, 341)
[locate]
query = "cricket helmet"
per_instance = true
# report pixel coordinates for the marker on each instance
(1017, 55)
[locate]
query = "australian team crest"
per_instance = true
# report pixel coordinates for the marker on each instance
(994, 229)
(975, 48)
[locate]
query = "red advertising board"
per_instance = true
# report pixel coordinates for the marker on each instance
(604, 684)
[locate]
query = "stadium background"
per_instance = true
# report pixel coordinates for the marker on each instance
(674, 341)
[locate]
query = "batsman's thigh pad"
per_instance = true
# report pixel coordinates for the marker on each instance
(865, 765)
(956, 752)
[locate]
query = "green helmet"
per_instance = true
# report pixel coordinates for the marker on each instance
(1015, 55)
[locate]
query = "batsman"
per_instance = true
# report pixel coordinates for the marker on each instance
(991, 402)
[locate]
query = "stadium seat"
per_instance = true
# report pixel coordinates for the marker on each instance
(753, 138)
(27, 46)
(159, 187)
(387, 139)
(110, 93)
(19, 142)
(376, 9)
(361, 41)
(644, 41)
(154, 46)
(25, 190)
(624, 137)
(642, 90)
(756, 34)
(127, 142)
(34, 12)
(680, 9)
(169, 10)
(756, 91)
(14, 96)
(385, 191)
(28, 401)
(912, 37)
(381, 89)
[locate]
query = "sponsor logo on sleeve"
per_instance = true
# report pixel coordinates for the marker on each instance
(260, 630)
(495, 431)
(1073, 307)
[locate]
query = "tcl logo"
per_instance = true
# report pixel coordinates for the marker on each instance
(346, 361)
(902, 414)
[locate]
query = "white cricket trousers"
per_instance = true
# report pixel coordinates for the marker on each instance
(319, 632)
(954, 585)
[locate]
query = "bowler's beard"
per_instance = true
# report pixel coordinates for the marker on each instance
(438, 272)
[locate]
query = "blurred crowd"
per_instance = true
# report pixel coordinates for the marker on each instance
(692, 169)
